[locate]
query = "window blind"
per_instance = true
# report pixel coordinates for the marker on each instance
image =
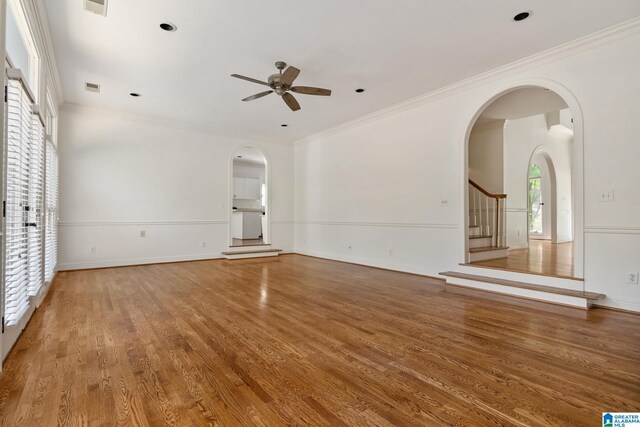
(19, 128)
(36, 204)
(51, 208)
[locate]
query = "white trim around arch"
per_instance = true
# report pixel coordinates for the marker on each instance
(577, 172)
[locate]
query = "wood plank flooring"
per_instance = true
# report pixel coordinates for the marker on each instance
(541, 257)
(295, 340)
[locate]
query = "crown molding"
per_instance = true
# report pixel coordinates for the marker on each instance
(599, 38)
(167, 123)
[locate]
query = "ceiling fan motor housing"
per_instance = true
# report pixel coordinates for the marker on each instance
(277, 85)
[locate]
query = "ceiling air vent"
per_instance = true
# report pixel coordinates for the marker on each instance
(96, 6)
(92, 87)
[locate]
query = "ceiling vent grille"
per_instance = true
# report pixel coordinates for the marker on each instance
(92, 87)
(96, 6)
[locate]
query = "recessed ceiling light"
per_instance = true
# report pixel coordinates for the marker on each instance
(284, 125)
(135, 95)
(168, 26)
(521, 16)
(360, 90)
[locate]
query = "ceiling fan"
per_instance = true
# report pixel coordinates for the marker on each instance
(281, 84)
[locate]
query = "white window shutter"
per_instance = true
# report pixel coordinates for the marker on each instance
(19, 128)
(36, 205)
(51, 209)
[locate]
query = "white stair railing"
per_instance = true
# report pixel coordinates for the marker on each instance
(487, 211)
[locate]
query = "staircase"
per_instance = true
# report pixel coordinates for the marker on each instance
(487, 225)
(255, 251)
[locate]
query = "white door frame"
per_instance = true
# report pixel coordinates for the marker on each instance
(577, 171)
(266, 234)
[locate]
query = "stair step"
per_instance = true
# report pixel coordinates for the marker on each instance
(551, 294)
(247, 248)
(480, 237)
(487, 248)
(522, 276)
(485, 253)
(251, 254)
(251, 245)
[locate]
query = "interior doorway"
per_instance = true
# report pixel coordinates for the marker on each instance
(536, 216)
(542, 195)
(525, 147)
(249, 220)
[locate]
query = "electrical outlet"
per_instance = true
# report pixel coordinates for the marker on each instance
(143, 233)
(518, 232)
(607, 196)
(391, 252)
(349, 247)
(444, 203)
(93, 250)
(633, 278)
(203, 244)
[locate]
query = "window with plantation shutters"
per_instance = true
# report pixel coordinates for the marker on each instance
(51, 211)
(24, 202)
(19, 111)
(35, 214)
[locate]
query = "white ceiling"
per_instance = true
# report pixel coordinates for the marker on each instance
(395, 49)
(522, 103)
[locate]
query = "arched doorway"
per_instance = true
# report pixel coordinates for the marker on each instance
(554, 110)
(249, 223)
(542, 197)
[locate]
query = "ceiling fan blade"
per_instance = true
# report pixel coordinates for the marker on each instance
(257, 95)
(306, 90)
(289, 75)
(249, 79)
(291, 101)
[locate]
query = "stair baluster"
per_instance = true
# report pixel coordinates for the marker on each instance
(489, 214)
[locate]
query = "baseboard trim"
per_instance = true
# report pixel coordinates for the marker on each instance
(619, 305)
(135, 262)
(434, 276)
(518, 246)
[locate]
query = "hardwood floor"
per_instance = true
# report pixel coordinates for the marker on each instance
(541, 257)
(295, 340)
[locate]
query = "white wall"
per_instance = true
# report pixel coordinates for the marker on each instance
(120, 176)
(522, 137)
(378, 184)
(486, 156)
(248, 170)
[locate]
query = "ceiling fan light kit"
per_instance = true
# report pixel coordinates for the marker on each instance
(282, 84)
